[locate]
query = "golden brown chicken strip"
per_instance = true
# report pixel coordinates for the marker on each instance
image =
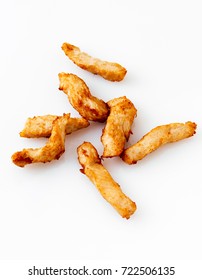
(108, 70)
(41, 126)
(118, 126)
(157, 137)
(100, 177)
(53, 149)
(88, 106)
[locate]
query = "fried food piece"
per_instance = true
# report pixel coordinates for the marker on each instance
(53, 149)
(157, 137)
(41, 126)
(100, 177)
(88, 106)
(118, 126)
(108, 70)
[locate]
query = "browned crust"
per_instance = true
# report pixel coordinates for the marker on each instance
(53, 149)
(100, 177)
(41, 126)
(118, 126)
(88, 106)
(108, 70)
(157, 137)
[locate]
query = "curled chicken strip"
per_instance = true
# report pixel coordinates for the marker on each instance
(157, 137)
(53, 149)
(108, 70)
(118, 126)
(88, 106)
(41, 126)
(100, 177)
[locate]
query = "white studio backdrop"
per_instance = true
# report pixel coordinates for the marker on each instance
(52, 211)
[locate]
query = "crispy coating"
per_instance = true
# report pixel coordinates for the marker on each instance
(88, 106)
(100, 177)
(157, 137)
(53, 149)
(108, 70)
(41, 126)
(118, 126)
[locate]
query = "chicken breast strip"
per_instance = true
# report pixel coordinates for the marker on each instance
(53, 149)
(100, 177)
(108, 70)
(118, 126)
(157, 137)
(88, 106)
(41, 126)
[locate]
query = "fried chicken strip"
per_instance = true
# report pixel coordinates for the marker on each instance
(100, 177)
(108, 70)
(157, 137)
(53, 149)
(88, 106)
(118, 126)
(41, 126)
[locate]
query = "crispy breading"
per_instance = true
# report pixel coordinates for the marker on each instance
(88, 106)
(108, 70)
(100, 177)
(118, 126)
(41, 126)
(157, 137)
(53, 149)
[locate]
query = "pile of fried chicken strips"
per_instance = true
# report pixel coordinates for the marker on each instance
(118, 115)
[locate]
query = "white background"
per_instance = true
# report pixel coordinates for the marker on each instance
(52, 211)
